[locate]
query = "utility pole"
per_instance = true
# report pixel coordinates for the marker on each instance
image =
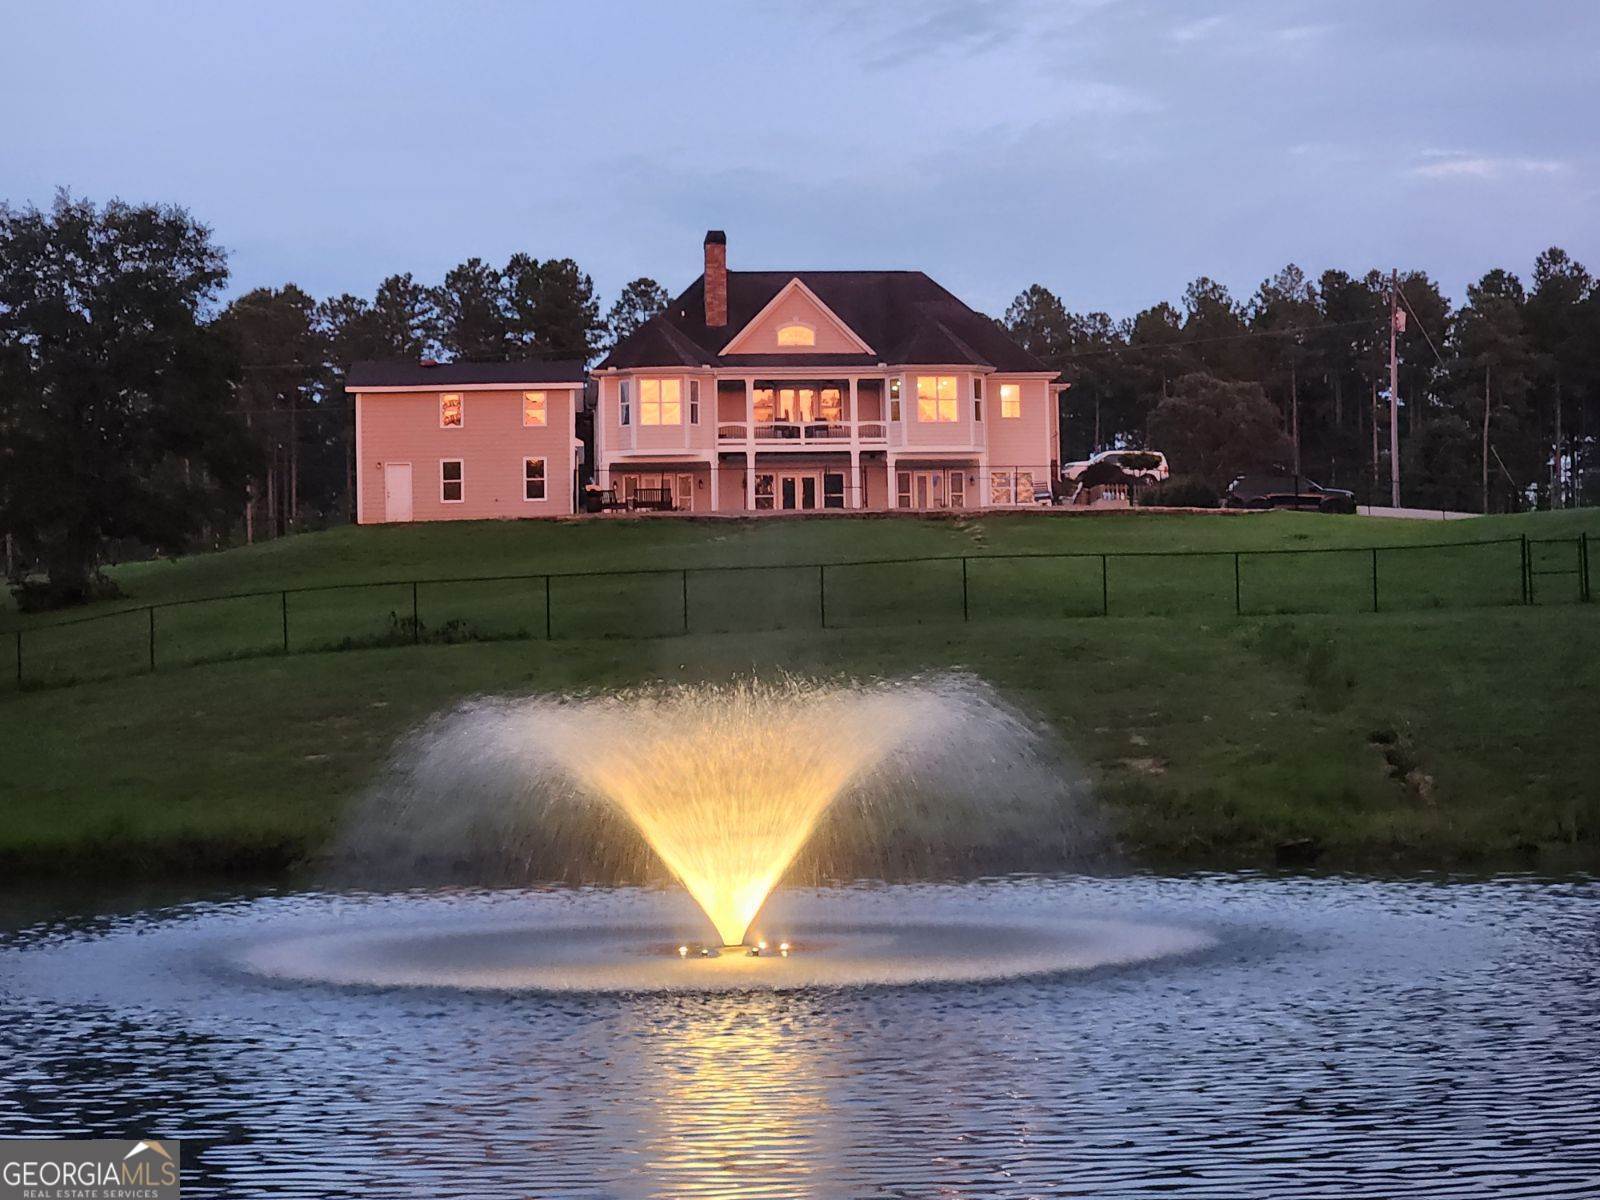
(1395, 320)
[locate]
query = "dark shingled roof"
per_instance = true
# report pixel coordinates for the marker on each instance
(462, 374)
(903, 315)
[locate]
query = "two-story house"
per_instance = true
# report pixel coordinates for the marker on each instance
(773, 390)
(465, 441)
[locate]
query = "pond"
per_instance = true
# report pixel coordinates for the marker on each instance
(1283, 1035)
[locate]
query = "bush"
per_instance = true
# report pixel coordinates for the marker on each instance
(34, 594)
(1180, 491)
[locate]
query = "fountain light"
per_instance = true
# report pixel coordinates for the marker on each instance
(727, 783)
(683, 952)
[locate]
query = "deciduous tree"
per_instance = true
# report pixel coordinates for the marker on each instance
(115, 417)
(1219, 428)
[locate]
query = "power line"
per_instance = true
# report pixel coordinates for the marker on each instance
(1406, 300)
(1250, 335)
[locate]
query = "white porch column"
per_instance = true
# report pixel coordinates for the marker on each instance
(892, 495)
(716, 474)
(749, 408)
(857, 491)
(749, 480)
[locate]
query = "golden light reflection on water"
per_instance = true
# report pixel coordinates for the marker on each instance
(726, 783)
(740, 1108)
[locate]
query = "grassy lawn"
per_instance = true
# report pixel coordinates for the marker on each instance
(1428, 735)
(752, 576)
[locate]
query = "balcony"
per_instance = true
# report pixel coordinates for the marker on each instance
(791, 434)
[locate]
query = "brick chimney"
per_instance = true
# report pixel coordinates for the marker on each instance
(716, 278)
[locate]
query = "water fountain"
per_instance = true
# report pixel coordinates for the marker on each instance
(725, 789)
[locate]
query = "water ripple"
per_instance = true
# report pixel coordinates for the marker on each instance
(1345, 1038)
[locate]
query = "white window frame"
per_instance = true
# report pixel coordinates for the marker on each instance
(1010, 405)
(957, 492)
(894, 399)
(544, 479)
(694, 402)
(460, 482)
(977, 399)
(939, 401)
(461, 410)
(541, 401)
(624, 402)
(660, 402)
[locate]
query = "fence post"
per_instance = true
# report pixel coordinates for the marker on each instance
(416, 620)
(1374, 579)
(686, 600)
(965, 616)
(1238, 603)
(547, 634)
(1105, 586)
(151, 613)
(822, 594)
(285, 599)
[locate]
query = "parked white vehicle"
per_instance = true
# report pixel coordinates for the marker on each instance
(1150, 465)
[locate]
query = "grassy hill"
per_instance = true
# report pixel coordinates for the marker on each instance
(1425, 734)
(450, 549)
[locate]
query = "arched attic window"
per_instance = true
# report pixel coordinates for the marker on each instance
(796, 333)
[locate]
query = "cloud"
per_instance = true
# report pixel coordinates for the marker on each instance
(1194, 31)
(1454, 165)
(893, 33)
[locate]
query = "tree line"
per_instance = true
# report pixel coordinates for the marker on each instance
(1499, 397)
(140, 412)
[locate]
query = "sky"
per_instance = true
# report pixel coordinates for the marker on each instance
(1111, 150)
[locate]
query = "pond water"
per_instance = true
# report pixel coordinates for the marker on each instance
(1265, 1036)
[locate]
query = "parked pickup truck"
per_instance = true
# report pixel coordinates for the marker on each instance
(1287, 491)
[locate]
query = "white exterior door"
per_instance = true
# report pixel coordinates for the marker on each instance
(397, 491)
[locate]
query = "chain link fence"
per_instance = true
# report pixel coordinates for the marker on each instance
(664, 602)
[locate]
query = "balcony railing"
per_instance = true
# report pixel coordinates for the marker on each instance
(801, 432)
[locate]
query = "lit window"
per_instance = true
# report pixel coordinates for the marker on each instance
(450, 410)
(1010, 399)
(796, 333)
(624, 402)
(694, 402)
(660, 402)
(977, 399)
(936, 398)
(450, 481)
(533, 479)
(894, 399)
(535, 408)
(832, 405)
(765, 404)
